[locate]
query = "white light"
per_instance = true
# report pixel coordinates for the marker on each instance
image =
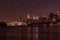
(34, 17)
(37, 17)
(28, 16)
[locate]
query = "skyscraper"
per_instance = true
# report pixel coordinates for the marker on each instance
(28, 16)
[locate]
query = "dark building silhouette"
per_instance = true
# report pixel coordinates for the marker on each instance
(3, 27)
(53, 18)
(51, 15)
(2, 24)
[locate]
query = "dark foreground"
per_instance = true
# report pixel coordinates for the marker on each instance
(30, 33)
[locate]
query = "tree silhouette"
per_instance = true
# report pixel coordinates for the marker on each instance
(2, 24)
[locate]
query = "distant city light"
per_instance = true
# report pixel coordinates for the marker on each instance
(28, 16)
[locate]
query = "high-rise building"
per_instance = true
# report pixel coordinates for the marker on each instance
(34, 17)
(37, 17)
(28, 16)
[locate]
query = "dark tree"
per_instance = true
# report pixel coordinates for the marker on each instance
(2, 24)
(51, 15)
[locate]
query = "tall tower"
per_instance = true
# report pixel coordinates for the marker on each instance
(28, 16)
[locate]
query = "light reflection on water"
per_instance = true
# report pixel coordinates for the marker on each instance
(30, 33)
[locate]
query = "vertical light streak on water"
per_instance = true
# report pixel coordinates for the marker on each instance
(51, 31)
(28, 33)
(23, 32)
(35, 33)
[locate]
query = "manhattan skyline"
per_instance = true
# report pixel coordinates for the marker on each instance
(12, 9)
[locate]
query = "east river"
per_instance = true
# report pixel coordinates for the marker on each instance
(30, 33)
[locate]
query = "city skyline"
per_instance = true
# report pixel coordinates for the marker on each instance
(28, 16)
(12, 9)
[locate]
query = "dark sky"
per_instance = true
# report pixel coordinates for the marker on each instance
(13, 9)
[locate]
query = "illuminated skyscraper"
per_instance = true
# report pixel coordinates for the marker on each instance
(34, 17)
(28, 16)
(37, 17)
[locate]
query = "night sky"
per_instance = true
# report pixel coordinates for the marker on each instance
(13, 9)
